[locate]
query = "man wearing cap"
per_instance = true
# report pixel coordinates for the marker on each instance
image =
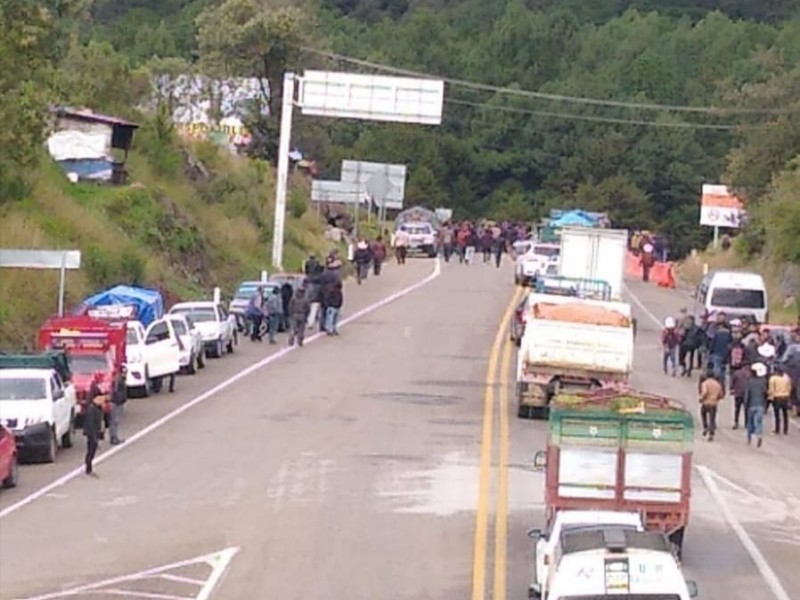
(755, 399)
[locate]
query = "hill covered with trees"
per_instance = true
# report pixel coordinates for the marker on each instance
(626, 106)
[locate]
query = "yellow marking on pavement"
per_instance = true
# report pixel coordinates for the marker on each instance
(482, 516)
(501, 514)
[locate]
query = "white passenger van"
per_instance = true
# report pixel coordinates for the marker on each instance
(735, 293)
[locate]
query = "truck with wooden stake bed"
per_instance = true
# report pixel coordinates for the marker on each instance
(617, 451)
(571, 343)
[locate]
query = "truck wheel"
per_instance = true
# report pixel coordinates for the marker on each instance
(66, 439)
(13, 474)
(191, 369)
(52, 448)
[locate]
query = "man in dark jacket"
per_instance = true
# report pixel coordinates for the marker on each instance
(93, 427)
(299, 309)
(287, 291)
(334, 299)
(362, 257)
(690, 340)
(378, 255)
(719, 348)
(119, 395)
(739, 379)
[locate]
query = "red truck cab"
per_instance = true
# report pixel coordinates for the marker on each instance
(92, 345)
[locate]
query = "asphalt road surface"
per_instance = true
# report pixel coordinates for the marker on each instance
(361, 467)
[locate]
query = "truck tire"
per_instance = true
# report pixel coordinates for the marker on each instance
(67, 438)
(12, 478)
(52, 448)
(676, 537)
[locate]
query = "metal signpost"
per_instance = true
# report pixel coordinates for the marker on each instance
(63, 260)
(348, 96)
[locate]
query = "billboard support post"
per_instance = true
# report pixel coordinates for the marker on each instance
(63, 260)
(282, 183)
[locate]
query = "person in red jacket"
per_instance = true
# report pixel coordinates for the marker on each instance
(378, 255)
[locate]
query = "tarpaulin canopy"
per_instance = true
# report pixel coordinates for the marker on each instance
(125, 302)
(574, 217)
(417, 213)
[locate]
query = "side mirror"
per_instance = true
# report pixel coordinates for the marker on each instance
(691, 587)
(535, 534)
(540, 460)
(535, 591)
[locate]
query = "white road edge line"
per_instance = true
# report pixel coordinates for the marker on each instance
(210, 393)
(752, 549)
(708, 474)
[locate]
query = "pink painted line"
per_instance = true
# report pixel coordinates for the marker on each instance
(210, 393)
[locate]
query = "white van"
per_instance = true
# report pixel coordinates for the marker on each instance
(735, 293)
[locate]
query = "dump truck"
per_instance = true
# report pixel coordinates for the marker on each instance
(624, 451)
(571, 343)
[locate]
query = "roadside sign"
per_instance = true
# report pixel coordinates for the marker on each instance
(363, 171)
(63, 260)
(337, 192)
(372, 97)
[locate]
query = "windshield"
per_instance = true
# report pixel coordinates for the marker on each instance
(86, 364)
(22, 389)
(737, 298)
(131, 339)
(246, 290)
(417, 229)
(197, 314)
(549, 251)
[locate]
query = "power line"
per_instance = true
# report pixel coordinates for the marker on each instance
(541, 95)
(557, 115)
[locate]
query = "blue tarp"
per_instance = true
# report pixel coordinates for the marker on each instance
(143, 304)
(574, 217)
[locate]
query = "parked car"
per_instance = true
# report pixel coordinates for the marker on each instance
(216, 326)
(9, 467)
(192, 355)
(241, 298)
(152, 354)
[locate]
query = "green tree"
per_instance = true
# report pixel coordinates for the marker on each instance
(255, 38)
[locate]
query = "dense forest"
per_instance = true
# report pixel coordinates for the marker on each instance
(627, 106)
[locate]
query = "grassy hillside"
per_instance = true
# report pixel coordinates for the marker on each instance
(172, 227)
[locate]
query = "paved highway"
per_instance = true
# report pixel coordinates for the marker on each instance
(360, 467)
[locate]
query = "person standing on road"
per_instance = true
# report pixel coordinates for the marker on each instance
(711, 393)
(287, 291)
(362, 258)
(669, 346)
(299, 309)
(720, 346)
(755, 399)
(739, 379)
(333, 301)
(93, 429)
(119, 395)
(647, 261)
(401, 240)
(779, 393)
(378, 255)
(274, 313)
(255, 314)
(690, 340)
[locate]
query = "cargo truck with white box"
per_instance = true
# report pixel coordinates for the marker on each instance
(597, 254)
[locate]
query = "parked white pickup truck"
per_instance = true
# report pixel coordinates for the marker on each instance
(598, 562)
(152, 354)
(39, 409)
(573, 520)
(561, 352)
(216, 326)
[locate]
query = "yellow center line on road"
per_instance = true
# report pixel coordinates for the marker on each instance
(501, 514)
(487, 432)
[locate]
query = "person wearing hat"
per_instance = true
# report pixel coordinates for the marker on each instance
(755, 399)
(647, 260)
(670, 339)
(779, 394)
(119, 395)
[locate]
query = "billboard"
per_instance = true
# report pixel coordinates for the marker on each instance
(337, 192)
(384, 182)
(719, 207)
(371, 97)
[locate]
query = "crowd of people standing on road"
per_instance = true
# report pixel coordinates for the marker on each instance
(466, 239)
(759, 366)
